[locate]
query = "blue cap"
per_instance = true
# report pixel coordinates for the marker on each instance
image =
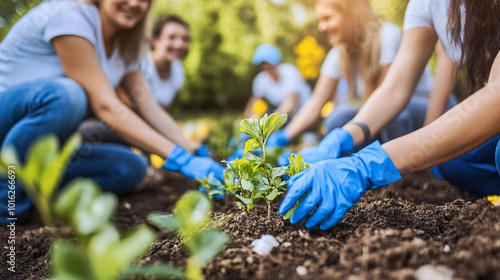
(266, 53)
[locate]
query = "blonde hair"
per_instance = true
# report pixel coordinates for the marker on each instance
(132, 42)
(360, 49)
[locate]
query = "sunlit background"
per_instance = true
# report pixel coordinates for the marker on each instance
(225, 33)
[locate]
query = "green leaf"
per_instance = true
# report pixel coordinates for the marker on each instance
(250, 127)
(243, 199)
(165, 221)
(277, 172)
(40, 154)
(251, 145)
(205, 246)
(131, 247)
(274, 122)
(55, 170)
(253, 158)
(247, 185)
(273, 195)
(193, 209)
(69, 263)
(156, 271)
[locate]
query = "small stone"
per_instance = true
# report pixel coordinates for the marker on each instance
(301, 234)
(286, 244)
(250, 260)
(418, 231)
(127, 205)
(417, 242)
(446, 249)
(301, 271)
(431, 272)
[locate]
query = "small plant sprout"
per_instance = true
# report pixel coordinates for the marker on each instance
(296, 166)
(191, 222)
(256, 178)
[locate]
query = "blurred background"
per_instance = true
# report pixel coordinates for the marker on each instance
(224, 35)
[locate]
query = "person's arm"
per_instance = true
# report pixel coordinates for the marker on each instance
(249, 107)
(323, 91)
(80, 63)
(153, 113)
(394, 93)
(289, 105)
(443, 85)
(463, 128)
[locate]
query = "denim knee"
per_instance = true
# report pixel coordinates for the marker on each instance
(128, 173)
(67, 102)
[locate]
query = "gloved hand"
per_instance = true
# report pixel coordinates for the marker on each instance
(334, 186)
(202, 151)
(333, 145)
(192, 166)
(278, 139)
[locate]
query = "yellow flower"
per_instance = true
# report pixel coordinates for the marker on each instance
(259, 108)
(310, 55)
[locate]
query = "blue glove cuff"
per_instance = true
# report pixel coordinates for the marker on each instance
(376, 165)
(347, 144)
(177, 158)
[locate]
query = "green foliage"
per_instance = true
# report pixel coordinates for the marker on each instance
(189, 220)
(43, 171)
(296, 166)
(100, 253)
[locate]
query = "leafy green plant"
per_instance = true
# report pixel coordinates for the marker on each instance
(100, 253)
(296, 166)
(190, 221)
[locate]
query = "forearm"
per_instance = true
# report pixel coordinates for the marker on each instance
(166, 125)
(463, 128)
(307, 115)
(377, 111)
(133, 129)
(289, 105)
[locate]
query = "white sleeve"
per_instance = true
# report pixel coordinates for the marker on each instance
(257, 86)
(292, 78)
(332, 66)
(70, 19)
(390, 37)
(418, 14)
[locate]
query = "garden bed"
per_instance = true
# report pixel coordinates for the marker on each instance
(390, 234)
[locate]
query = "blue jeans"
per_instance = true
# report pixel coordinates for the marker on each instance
(58, 106)
(476, 171)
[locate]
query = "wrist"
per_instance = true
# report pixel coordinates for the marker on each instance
(376, 166)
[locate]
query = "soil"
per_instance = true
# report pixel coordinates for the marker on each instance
(395, 232)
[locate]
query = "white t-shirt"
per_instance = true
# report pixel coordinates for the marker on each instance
(390, 37)
(433, 13)
(290, 82)
(164, 90)
(26, 53)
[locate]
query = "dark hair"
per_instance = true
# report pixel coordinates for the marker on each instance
(164, 20)
(481, 37)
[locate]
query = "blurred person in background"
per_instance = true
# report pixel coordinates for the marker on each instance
(279, 84)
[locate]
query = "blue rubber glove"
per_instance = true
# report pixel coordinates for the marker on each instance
(203, 151)
(333, 145)
(334, 186)
(278, 139)
(192, 166)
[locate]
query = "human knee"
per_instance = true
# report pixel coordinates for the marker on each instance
(130, 171)
(67, 96)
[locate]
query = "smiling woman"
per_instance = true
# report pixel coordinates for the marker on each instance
(82, 52)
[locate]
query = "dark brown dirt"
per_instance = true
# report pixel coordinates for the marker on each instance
(389, 234)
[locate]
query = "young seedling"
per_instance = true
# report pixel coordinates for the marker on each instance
(296, 166)
(190, 221)
(257, 179)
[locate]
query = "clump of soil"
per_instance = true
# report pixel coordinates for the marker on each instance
(389, 234)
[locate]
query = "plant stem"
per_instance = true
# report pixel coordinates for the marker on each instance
(268, 209)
